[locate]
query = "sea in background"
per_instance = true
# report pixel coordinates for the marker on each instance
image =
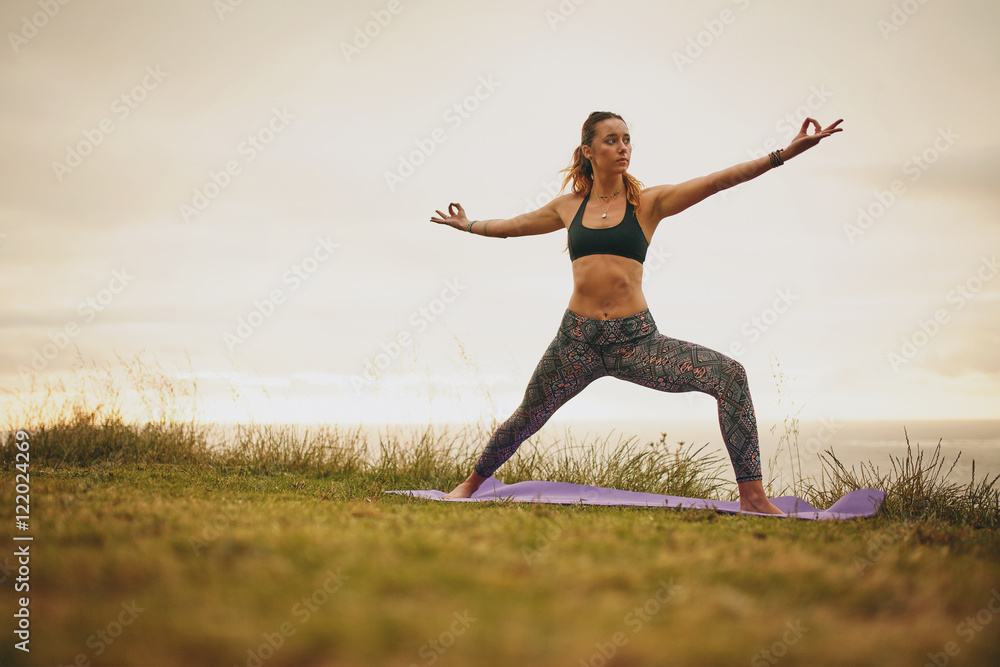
(854, 442)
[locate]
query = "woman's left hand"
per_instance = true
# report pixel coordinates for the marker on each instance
(803, 141)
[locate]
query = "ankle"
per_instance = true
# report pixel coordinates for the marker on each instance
(752, 491)
(474, 481)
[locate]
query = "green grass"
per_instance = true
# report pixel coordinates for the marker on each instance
(227, 549)
(218, 558)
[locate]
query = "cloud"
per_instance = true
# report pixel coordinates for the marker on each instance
(325, 174)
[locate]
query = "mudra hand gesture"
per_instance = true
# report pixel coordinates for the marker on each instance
(455, 218)
(803, 141)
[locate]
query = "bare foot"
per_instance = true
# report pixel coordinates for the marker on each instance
(466, 488)
(764, 506)
(753, 499)
(463, 490)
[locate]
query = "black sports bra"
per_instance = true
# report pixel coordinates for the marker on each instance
(624, 239)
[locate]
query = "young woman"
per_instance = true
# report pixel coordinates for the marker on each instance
(607, 328)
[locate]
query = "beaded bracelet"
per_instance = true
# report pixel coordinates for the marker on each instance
(469, 228)
(776, 160)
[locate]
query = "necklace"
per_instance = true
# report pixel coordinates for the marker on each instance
(599, 203)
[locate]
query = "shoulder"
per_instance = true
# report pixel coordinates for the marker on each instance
(568, 199)
(649, 197)
(661, 201)
(652, 193)
(654, 201)
(565, 206)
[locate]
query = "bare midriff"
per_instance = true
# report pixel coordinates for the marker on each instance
(607, 287)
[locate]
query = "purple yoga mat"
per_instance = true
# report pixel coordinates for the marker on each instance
(856, 504)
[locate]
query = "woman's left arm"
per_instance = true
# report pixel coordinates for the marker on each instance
(667, 200)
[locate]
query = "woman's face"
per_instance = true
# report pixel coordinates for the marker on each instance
(612, 147)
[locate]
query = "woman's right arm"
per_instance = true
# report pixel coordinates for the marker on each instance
(541, 221)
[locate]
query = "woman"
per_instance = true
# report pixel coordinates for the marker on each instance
(607, 328)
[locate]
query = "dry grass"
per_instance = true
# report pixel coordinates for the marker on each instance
(89, 428)
(218, 537)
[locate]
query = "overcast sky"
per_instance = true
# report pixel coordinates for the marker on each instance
(242, 192)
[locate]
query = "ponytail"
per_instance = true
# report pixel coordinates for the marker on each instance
(580, 172)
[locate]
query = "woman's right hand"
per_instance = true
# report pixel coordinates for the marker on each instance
(455, 218)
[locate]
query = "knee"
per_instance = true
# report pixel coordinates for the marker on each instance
(737, 372)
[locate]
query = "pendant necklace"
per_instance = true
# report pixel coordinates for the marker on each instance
(600, 197)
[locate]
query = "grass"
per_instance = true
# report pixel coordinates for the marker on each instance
(156, 546)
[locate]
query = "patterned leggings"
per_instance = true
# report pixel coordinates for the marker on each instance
(630, 349)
